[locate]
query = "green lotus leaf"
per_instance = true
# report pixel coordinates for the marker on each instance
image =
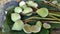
(43, 12)
(32, 4)
(27, 10)
(22, 3)
(39, 24)
(15, 17)
(29, 14)
(18, 25)
(27, 28)
(46, 26)
(18, 10)
(35, 29)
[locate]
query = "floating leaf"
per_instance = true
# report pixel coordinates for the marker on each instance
(39, 24)
(18, 25)
(46, 26)
(35, 5)
(29, 14)
(15, 17)
(18, 10)
(43, 12)
(27, 10)
(35, 29)
(27, 28)
(22, 3)
(23, 7)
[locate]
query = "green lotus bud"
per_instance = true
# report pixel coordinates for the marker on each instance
(18, 10)
(18, 25)
(15, 17)
(46, 26)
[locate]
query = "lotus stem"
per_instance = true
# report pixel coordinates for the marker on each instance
(54, 14)
(34, 17)
(54, 22)
(54, 17)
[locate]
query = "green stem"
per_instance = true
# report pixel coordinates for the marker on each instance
(54, 22)
(54, 14)
(54, 17)
(50, 4)
(26, 21)
(40, 18)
